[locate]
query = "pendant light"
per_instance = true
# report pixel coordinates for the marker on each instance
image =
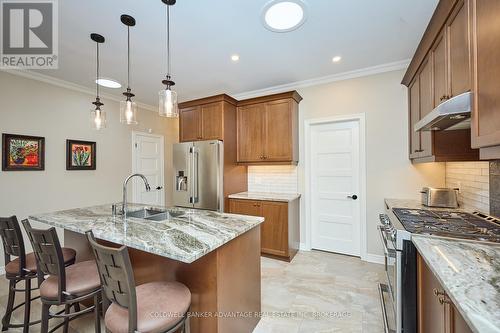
(97, 115)
(168, 98)
(128, 108)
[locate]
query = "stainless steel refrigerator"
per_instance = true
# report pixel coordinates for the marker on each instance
(198, 175)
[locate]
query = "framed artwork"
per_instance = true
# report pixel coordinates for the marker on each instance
(80, 155)
(22, 152)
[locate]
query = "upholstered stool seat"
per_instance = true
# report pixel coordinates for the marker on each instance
(81, 278)
(12, 268)
(160, 306)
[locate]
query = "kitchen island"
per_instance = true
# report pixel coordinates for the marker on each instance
(217, 256)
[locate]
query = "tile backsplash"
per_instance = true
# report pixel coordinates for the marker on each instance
(278, 179)
(473, 180)
(495, 188)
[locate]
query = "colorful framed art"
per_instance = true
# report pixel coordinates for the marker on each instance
(80, 155)
(22, 152)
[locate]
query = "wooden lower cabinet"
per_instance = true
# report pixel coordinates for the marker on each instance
(280, 230)
(436, 312)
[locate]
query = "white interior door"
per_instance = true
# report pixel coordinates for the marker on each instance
(147, 159)
(335, 185)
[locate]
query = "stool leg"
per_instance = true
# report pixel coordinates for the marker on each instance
(97, 312)
(27, 304)
(10, 305)
(45, 318)
(187, 325)
(67, 308)
(76, 305)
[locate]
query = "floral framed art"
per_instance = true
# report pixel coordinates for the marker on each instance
(80, 155)
(23, 152)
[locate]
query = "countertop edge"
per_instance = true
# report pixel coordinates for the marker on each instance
(264, 196)
(458, 305)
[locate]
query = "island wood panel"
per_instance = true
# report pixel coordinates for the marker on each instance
(226, 279)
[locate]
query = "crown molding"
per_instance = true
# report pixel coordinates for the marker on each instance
(72, 86)
(389, 67)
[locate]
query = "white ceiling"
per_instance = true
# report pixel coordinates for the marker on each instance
(205, 33)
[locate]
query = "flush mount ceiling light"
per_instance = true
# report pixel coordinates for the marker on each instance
(235, 57)
(284, 15)
(336, 59)
(108, 83)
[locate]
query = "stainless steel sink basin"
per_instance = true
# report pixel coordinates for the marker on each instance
(146, 212)
(155, 214)
(164, 216)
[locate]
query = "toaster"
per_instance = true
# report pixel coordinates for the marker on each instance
(440, 197)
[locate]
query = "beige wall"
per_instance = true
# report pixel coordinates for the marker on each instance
(35, 108)
(389, 173)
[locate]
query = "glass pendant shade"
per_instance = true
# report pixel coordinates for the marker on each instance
(168, 103)
(128, 112)
(98, 119)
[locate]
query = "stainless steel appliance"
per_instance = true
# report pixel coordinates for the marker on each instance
(396, 228)
(440, 197)
(198, 175)
(453, 113)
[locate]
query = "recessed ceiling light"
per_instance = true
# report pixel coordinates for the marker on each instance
(284, 15)
(336, 58)
(108, 83)
(235, 57)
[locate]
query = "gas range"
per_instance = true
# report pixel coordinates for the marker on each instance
(455, 224)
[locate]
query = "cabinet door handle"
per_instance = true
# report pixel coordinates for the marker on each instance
(438, 292)
(419, 150)
(444, 300)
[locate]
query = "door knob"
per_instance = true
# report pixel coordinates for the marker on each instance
(159, 188)
(353, 197)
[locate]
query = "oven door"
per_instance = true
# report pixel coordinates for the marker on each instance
(390, 259)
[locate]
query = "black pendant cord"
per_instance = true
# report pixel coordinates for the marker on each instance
(97, 73)
(128, 58)
(168, 42)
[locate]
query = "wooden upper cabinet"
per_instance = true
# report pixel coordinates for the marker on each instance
(211, 121)
(268, 129)
(414, 115)
(250, 124)
(426, 105)
(206, 118)
(486, 71)
(457, 31)
(440, 70)
(189, 124)
(278, 143)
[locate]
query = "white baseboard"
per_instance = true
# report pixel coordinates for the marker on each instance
(373, 258)
(2, 270)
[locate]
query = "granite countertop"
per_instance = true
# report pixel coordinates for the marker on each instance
(470, 274)
(265, 196)
(185, 238)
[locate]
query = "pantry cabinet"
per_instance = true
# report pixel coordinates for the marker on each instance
(280, 230)
(267, 129)
(436, 312)
(207, 118)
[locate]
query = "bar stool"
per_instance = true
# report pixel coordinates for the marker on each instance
(22, 268)
(149, 308)
(65, 285)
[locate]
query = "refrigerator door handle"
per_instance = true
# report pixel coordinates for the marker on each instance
(196, 155)
(190, 173)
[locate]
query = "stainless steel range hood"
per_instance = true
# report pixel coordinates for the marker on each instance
(451, 114)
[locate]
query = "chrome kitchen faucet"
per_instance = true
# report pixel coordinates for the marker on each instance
(125, 183)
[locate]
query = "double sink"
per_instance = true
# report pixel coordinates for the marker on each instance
(155, 214)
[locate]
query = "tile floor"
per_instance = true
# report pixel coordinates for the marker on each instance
(317, 293)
